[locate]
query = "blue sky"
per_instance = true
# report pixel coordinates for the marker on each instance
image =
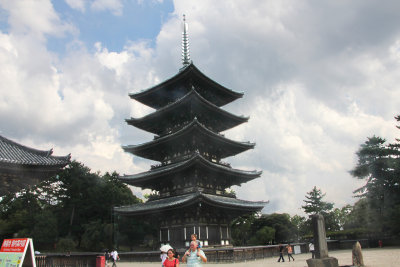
(135, 21)
(318, 77)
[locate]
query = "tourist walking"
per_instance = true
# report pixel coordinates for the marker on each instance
(194, 257)
(281, 248)
(171, 260)
(107, 257)
(289, 251)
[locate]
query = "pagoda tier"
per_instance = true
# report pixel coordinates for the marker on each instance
(192, 137)
(179, 85)
(206, 215)
(230, 205)
(194, 174)
(183, 111)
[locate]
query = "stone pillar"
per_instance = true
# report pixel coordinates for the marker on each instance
(321, 247)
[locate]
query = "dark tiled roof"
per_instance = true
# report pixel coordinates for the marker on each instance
(159, 96)
(152, 150)
(14, 153)
(157, 121)
(188, 199)
(176, 167)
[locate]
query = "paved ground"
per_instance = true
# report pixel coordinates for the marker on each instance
(384, 257)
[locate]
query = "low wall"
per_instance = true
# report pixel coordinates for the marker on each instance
(70, 260)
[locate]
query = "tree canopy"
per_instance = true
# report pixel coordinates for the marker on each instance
(74, 205)
(379, 166)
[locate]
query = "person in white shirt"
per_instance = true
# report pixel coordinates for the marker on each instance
(311, 248)
(114, 257)
(194, 257)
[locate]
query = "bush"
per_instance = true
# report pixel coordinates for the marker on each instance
(65, 245)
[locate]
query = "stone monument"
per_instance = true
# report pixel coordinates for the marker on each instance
(321, 247)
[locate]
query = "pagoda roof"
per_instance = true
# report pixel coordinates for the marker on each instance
(214, 143)
(178, 202)
(14, 153)
(147, 179)
(177, 86)
(192, 104)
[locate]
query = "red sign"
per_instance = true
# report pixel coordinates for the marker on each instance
(16, 245)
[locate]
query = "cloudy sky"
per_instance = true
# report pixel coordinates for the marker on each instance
(319, 77)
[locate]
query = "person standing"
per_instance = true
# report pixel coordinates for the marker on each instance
(311, 248)
(163, 257)
(107, 257)
(281, 248)
(171, 260)
(194, 257)
(114, 257)
(289, 251)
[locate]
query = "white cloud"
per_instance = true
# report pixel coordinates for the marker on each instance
(35, 17)
(318, 80)
(115, 6)
(77, 4)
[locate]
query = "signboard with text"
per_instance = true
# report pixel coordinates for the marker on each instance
(17, 251)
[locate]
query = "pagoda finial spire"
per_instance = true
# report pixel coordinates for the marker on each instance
(185, 44)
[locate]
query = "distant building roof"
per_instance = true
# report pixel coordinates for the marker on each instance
(22, 166)
(12, 152)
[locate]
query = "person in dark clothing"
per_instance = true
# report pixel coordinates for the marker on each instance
(281, 248)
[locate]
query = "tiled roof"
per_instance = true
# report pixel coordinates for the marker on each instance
(184, 200)
(14, 153)
(217, 142)
(159, 96)
(157, 121)
(195, 158)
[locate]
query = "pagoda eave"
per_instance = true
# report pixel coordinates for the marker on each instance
(191, 105)
(151, 179)
(221, 146)
(155, 96)
(182, 201)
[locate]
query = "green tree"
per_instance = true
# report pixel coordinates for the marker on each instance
(241, 229)
(285, 231)
(341, 216)
(300, 225)
(71, 208)
(314, 204)
(264, 235)
(379, 165)
(45, 230)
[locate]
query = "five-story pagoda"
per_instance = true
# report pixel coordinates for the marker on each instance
(191, 180)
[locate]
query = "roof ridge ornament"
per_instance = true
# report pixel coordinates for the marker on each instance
(185, 44)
